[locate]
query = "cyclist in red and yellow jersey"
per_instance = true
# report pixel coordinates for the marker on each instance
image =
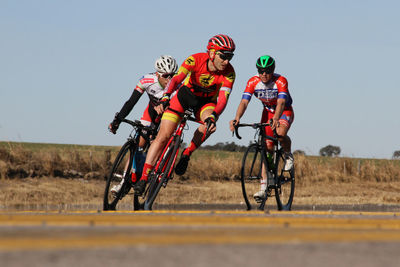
(207, 80)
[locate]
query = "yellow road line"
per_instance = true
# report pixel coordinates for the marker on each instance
(195, 236)
(162, 228)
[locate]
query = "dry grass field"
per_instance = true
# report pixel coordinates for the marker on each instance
(66, 175)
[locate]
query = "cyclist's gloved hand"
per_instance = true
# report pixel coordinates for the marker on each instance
(113, 127)
(232, 125)
(211, 120)
(165, 100)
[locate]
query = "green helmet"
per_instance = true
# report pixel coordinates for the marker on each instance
(265, 64)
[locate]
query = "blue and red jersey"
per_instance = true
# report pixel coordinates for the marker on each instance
(270, 92)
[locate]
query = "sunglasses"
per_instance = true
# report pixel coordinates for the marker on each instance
(167, 75)
(261, 71)
(225, 55)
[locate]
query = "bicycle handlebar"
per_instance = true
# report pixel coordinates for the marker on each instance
(139, 125)
(254, 126)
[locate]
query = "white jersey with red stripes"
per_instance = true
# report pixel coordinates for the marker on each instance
(149, 83)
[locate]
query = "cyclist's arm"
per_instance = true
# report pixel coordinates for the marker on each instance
(281, 101)
(280, 106)
(246, 97)
(249, 91)
(128, 106)
(225, 90)
(223, 96)
(239, 113)
(241, 109)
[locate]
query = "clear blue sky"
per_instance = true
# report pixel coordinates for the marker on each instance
(67, 66)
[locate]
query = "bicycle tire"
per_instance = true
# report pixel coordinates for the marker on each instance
(115, 176)
(160, 175)
(250, 174)
(285, 184)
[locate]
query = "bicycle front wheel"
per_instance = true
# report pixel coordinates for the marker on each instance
(285, 183)
(118, 182)
(162, 173)
(251, 174)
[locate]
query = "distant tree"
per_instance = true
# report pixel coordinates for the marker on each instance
(329, 151)
(396, 154)
(299, 152)
(232, 147)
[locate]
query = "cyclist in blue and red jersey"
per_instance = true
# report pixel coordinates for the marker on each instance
(206, 81)
(272, 89)
(154, 84)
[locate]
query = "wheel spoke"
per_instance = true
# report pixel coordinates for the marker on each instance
(252, 172)
(116, 189)
(284, 192)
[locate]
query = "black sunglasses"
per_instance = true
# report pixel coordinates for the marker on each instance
(167, 75)
(225, 55)
(267, 71)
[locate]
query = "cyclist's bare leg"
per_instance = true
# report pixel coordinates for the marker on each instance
(264, 177)
(286, 146)
(167, 128)
(285, 140)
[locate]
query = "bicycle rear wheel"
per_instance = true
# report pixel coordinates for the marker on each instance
(121, 170)
(285, 183)
(251, 174)
(160, 176)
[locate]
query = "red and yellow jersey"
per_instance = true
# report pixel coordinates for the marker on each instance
(215, 85)
(203, 83)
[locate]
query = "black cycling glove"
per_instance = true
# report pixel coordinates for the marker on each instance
(113, 127)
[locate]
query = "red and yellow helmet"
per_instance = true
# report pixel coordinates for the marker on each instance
(221, 42)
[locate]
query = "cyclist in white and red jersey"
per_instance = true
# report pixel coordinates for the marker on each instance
(207, 83)
(154, 84)
(272, 89)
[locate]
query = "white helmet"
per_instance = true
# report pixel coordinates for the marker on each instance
(166, 64)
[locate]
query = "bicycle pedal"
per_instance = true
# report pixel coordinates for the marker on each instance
(259, 199)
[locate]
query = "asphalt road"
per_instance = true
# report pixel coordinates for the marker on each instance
(217, 237)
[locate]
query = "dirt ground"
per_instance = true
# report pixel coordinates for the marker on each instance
(59, 192)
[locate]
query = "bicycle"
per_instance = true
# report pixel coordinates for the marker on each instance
(258, 163)
(165, 165)
(121, 170)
